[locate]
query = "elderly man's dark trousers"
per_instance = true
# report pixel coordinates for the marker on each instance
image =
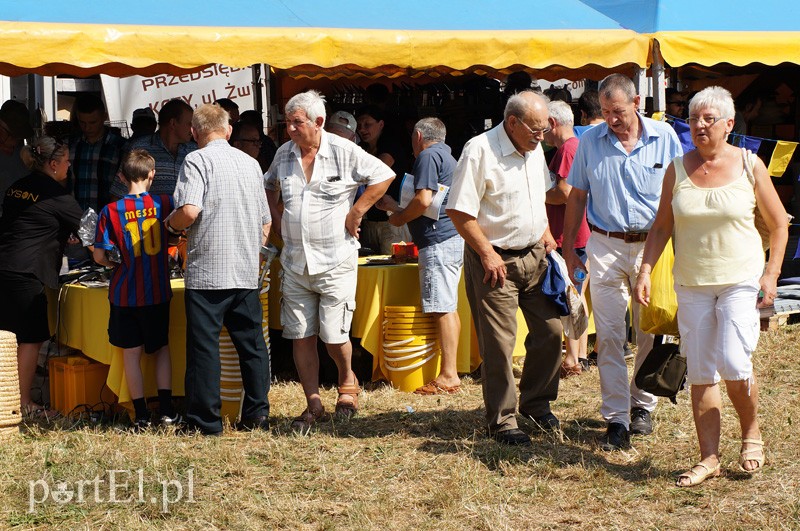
(494, 312)
(206, 312)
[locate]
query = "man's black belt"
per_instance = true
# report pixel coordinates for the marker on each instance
(627, 237)
(513, 252)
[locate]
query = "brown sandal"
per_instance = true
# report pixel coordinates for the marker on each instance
(308, 419)
(435, 388)
(570, 370)
(346, 408)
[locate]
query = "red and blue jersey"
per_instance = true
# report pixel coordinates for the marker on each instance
(135, 226)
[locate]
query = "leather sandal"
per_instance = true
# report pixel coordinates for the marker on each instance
(308, 419)
(570, 370)
(347, 408)
(695, 478)
(435, 388)
(744, 456)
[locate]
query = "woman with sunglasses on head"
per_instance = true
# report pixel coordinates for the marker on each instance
(709, 200)
(39, 215)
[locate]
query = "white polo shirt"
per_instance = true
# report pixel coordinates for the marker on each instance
(502, 189)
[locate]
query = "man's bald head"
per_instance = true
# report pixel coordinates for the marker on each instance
(526, 120)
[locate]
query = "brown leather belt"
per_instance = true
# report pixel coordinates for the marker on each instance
(627, 237)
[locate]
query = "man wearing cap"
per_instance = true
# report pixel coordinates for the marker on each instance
(343, 124)
(168, 146)
(15, 127)
(143, 123)
(94, 155)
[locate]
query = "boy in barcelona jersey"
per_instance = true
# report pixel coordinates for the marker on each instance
(139, 291)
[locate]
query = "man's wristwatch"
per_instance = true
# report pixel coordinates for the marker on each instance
(172, 230)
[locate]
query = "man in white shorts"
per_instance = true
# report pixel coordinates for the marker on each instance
(317, 175)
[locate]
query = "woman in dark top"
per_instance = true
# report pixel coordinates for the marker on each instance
(376, 232)
(39, 215)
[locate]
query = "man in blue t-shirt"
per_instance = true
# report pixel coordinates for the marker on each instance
(441, 249)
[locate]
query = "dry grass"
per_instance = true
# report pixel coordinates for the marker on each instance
(431, 468)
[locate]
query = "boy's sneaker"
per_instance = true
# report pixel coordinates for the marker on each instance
(140, 425)
(166, 421)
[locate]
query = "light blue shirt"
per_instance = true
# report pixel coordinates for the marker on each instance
(624, 188)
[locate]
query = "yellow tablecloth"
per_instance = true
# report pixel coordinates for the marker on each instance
(83, 315)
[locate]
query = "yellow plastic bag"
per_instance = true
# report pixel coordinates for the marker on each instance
(661, 316)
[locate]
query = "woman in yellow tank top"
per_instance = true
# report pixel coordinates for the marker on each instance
(709, 202)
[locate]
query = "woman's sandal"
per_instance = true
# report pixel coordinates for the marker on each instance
(347, 408)
(695, 478)
(743, 456)
(308, 419)
(36, 412)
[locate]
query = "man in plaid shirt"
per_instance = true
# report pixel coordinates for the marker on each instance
(94, 155)
(317, 175)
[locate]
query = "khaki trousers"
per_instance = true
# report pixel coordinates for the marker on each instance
(494, 312)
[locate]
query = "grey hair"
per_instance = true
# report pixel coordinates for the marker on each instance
(561, 112)
(42, 150)
(519, 106)
(716, 98)
(617, 82)
(432, 129)
(311, 102)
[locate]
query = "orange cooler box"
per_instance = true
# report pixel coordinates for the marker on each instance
(78, 381)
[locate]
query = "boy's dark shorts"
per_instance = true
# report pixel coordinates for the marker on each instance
(23, 309)
(130, 327)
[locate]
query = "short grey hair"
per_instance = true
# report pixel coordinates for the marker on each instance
(561, 112)
(432, 129)
(519, 106)
(617, 82)
(311, 102)
(716, 98)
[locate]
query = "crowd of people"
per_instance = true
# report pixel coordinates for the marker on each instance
(611, 193)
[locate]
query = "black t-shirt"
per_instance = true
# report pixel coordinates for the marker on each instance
(386, 144)
(38, 216)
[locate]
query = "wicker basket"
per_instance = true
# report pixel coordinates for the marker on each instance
(10, 410)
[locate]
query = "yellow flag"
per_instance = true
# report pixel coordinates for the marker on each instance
(781, 157)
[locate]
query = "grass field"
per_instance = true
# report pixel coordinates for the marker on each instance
(411, 462)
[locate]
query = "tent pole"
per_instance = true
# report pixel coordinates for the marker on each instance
(659, 81)
(640, 80)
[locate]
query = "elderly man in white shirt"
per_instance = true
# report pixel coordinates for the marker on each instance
(317, 175)
(497, 205)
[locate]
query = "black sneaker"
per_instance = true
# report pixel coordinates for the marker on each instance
(592, 358)
(615, 438)
(584, 363)
(166, 421)
(141, 425)
(641, 423)
(512, 437)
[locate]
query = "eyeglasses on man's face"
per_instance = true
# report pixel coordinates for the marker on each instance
(254, 141)
(535, 132)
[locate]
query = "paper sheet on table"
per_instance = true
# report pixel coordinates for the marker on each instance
(407, 192)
